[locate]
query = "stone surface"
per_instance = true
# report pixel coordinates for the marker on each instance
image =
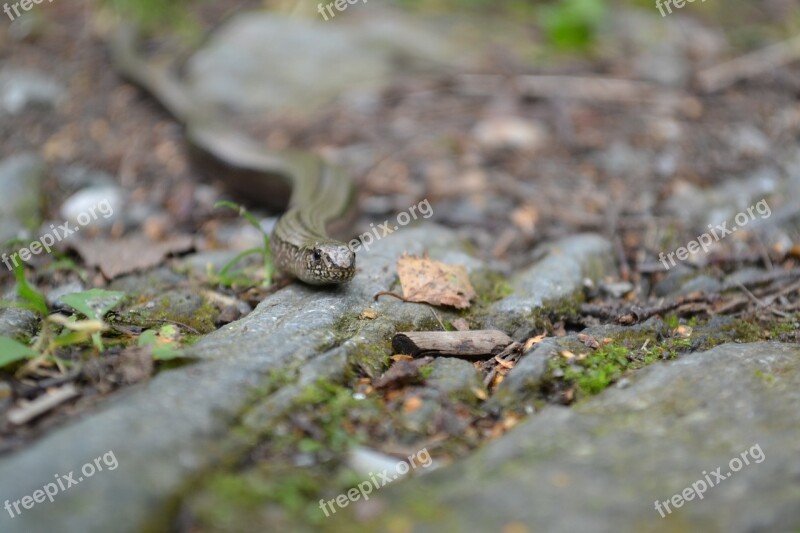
(344, 59)
(20, 88)
(172, 426)
(454, 376)
(601, 465)
(559, 275)
(15, 322)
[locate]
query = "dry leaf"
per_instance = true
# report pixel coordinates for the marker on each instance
(116, 257)
(530, 343)
(427, 281)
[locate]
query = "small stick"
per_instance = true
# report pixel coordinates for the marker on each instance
(27, 411)
(750, 65)
(467, 344)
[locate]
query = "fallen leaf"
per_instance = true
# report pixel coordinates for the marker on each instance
(427, 281)
(530, 343)
(115, 257)
(566, 354)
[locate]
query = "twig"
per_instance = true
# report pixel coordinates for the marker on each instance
(750, 65)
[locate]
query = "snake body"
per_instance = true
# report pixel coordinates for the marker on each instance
(321, 193)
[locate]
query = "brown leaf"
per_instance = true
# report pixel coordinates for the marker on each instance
(427, 281)
(116, 257)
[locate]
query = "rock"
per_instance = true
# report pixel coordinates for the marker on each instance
(343, 59)
(703, 283)
(15, 322)
(366, 462)
(21, 178)
(616, 290)
(171, 429)
(674, 280)
(558, 276)
(525, 379)
(608, 460)
(748, 141)
(182, 306)
(455, 378)
(21, 88)
(99, 205)
(54, 295)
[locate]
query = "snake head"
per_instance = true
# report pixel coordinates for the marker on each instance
(328, 263)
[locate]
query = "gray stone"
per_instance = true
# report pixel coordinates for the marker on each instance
(54, 295)
(343, 59)
(702, 283)
(527, 376)
(21, 178)
(20, 88)
(15, 322)
(603, 464)
(559, 275)
(454, 377)
(171, 428)
(616, 290)
(100, 205)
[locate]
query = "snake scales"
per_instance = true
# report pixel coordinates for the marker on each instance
(321, 193)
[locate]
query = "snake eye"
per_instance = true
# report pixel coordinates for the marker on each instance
(317, 255)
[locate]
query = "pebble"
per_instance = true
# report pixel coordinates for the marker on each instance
(510, 132)
(99, 205)
(21, 88)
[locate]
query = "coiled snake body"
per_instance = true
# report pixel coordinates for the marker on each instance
(321, 193)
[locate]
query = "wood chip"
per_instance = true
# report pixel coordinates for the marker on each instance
(25, 411)
(467, 344)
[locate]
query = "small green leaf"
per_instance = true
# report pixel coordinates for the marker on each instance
(94, 303)
(147, 338)
(243, 212)
(165, 353)
(35, 300)
(12, 351)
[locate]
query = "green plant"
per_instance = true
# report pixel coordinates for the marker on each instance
(227, 276)
(156, 14)
(57, 331)
(162, 342)
(572, 24)
(94, 304)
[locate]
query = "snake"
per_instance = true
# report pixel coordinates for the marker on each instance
(322, 194)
